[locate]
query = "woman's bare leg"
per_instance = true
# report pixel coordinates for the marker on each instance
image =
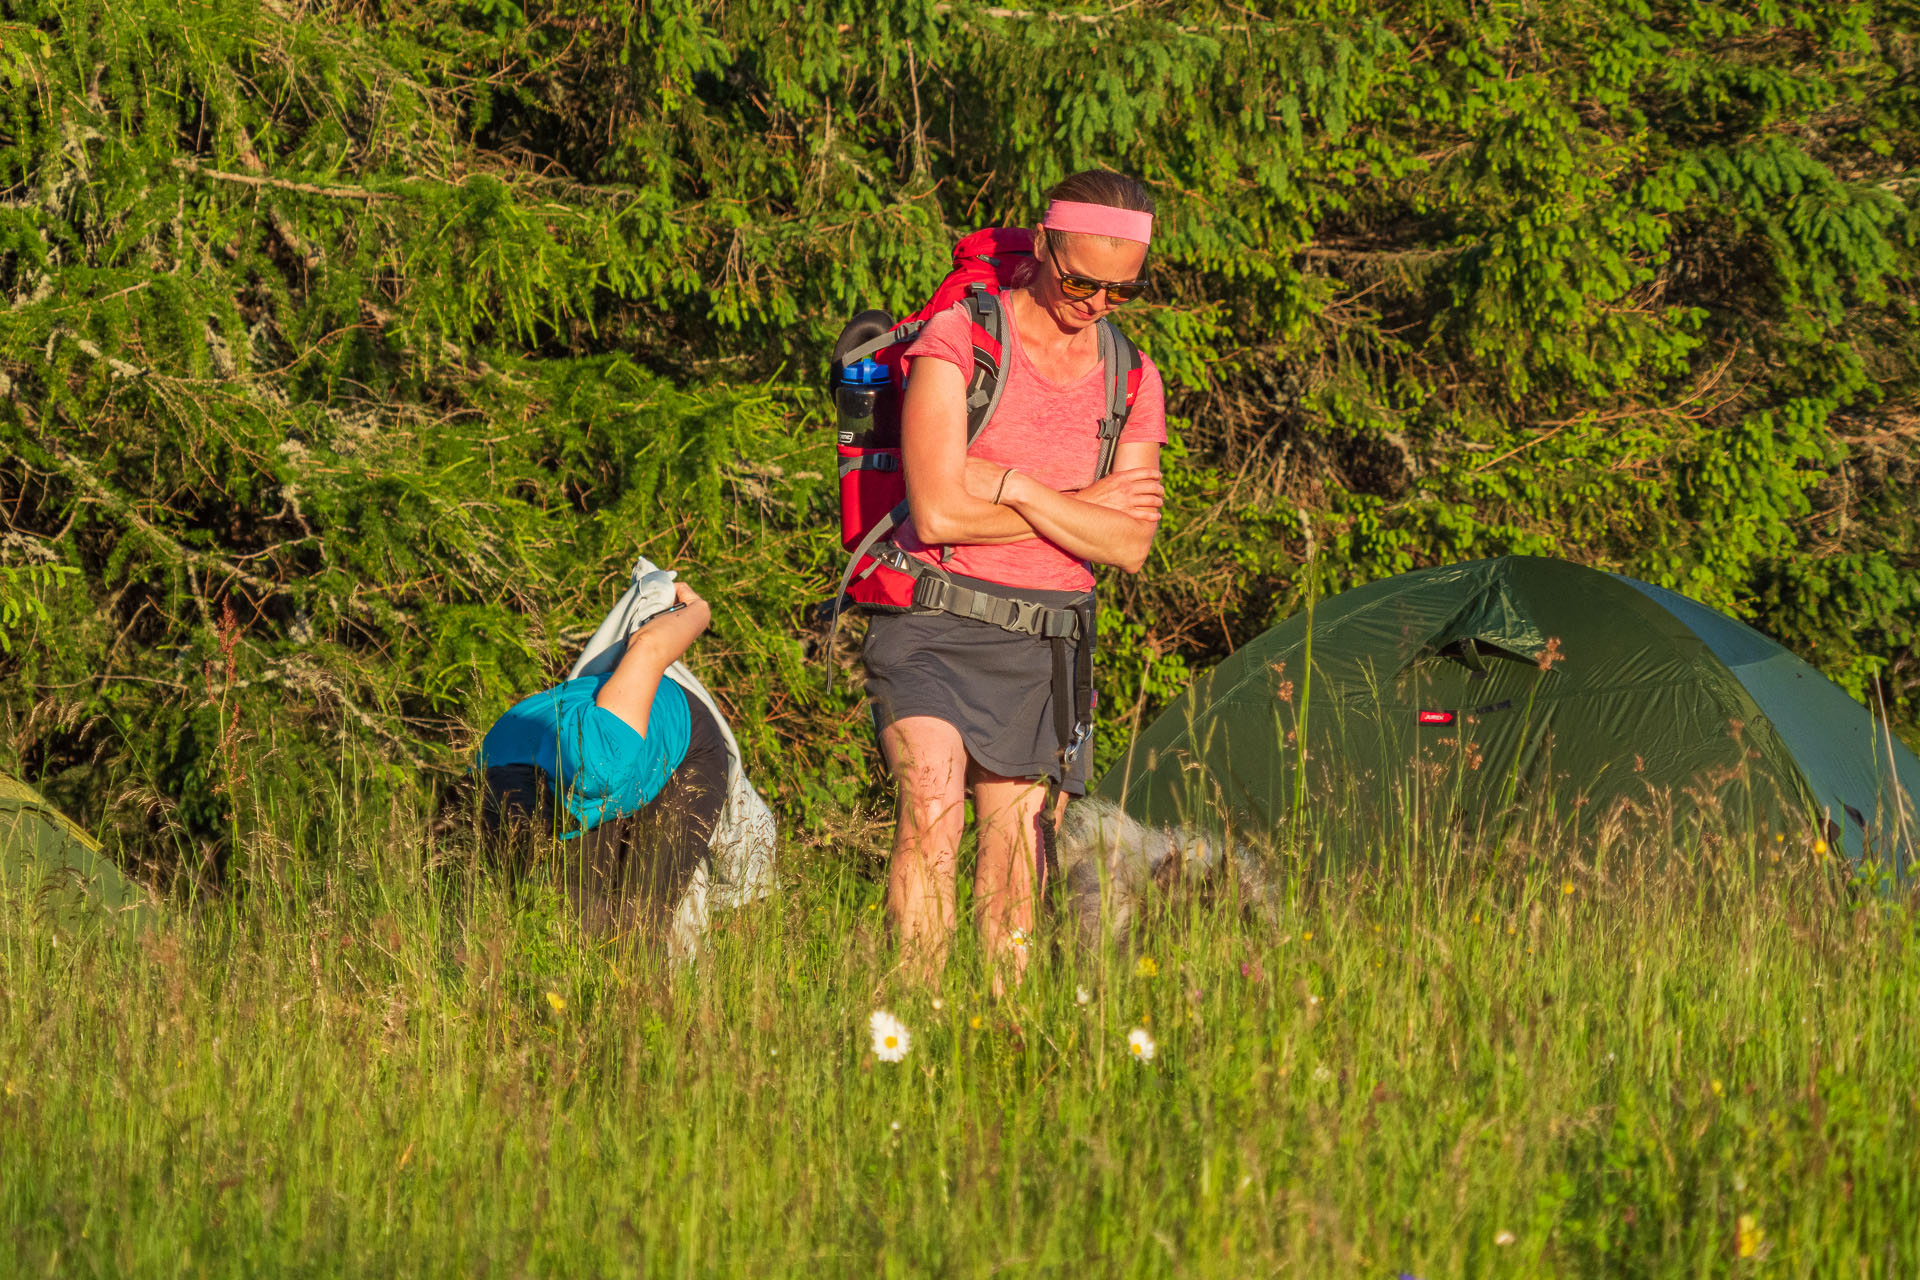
(929, 764)
(1006, 877)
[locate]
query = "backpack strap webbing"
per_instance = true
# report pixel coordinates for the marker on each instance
(867, 546)
(986, 386)
(869, 462)
(898, 334)
(1072, 727)
(1121, 368)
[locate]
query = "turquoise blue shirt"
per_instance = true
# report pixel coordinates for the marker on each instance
(602, 766)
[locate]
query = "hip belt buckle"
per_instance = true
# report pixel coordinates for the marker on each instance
(930, 592)
(1028, 617)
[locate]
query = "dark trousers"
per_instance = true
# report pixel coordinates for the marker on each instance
(626, 872)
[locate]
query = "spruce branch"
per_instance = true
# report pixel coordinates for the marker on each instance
(123, 507)
(105, 495)
(282, 184)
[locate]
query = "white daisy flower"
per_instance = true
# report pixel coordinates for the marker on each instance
(1140, 1044)
(938, 1004)
(1321, 1075)
(890, 1038)
(1503, 1238)
(1082, 996)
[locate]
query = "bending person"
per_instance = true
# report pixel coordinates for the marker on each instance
(634, 761)
(965, 704)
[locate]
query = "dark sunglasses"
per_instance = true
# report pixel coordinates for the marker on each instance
(1080, 288)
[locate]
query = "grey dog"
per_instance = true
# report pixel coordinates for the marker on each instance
(1115, 868)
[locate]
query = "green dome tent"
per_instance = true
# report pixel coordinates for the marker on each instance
(45, 855)
(1484, 691)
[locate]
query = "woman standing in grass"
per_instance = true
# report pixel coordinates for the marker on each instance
(638, 764)
(970, 705)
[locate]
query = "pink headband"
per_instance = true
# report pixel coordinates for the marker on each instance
(1098, 220)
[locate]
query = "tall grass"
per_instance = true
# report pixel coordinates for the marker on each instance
(1691, 1063)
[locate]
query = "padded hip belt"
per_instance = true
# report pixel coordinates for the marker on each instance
(933, 594)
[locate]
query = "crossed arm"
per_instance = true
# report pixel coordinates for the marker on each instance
(1111, 521)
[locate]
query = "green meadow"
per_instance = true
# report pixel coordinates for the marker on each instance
(1471, 1062)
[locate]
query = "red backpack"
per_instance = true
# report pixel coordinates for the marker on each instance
(873, 492)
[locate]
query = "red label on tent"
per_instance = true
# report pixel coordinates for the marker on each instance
(1436, 717)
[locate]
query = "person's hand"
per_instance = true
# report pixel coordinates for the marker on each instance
(697, 614)
(1138, 492)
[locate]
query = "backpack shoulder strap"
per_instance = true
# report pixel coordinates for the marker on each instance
(1122, 365)
(984, 388)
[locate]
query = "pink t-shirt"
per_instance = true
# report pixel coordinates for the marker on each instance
(1051, 432)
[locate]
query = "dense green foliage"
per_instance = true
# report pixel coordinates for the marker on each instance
(1456, 1070)
(349, 353)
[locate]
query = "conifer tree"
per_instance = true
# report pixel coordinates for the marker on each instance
(348, 358)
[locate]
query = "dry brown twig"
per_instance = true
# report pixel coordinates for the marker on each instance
(281, 184)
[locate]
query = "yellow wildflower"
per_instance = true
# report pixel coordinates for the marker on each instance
(1144, 967)
(556, 1002)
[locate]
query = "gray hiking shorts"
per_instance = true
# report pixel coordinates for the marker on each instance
(995, 686)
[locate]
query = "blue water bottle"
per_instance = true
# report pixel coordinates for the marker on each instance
(856, 398)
